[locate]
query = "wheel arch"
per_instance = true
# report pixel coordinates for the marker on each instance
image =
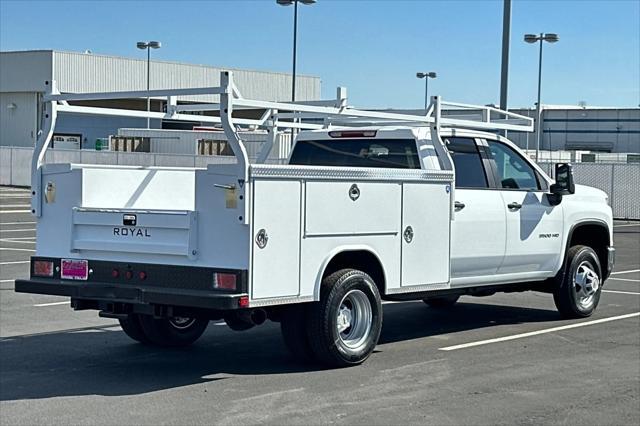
(593, 233)
(363, 258)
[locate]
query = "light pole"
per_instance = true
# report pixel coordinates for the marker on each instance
(148, 45)
(504, 72)
(532, 38)
(295, 36)
(426, 76)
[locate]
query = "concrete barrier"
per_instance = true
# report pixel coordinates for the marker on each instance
(618, 180)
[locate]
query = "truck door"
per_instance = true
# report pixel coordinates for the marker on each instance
(478, 235)
(534, 227)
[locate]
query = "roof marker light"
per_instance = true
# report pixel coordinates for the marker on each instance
(353, 134)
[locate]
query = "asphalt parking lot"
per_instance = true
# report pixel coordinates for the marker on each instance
(504, 359)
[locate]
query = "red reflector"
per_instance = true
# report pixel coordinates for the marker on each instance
(115, 273)
(224, 281)
(43, 268)
(142, 275)
(243, 302)
(128, 274)
(353, 134)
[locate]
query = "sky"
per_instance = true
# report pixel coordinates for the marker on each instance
(374, 48)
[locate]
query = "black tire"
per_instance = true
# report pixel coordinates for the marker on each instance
(344, 348)
(293, 325)
(571, 296)
(172, 331)
(441, 302)
(132, 328)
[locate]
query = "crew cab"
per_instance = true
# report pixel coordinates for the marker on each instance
(371, 206)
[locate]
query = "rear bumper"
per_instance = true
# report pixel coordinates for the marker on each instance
(134, 295)
(611, 260)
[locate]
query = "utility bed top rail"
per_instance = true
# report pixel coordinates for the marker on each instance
(278, 115)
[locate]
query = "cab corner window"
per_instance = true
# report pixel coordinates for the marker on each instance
(466, 158)
(514, 172)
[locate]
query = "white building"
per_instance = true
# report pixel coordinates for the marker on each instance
(23, 76)
(574, 128)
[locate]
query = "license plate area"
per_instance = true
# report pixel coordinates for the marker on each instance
(73, 269)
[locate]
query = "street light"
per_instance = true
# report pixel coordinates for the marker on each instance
(148, 45)
(295, 36)
(532, 38)
(426, 76)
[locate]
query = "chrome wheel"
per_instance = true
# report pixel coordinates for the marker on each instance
(181, 323)
(354, 319)
(586, 284)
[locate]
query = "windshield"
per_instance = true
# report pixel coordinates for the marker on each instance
(381, 153)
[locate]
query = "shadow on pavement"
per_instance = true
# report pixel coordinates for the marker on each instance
(104, 361)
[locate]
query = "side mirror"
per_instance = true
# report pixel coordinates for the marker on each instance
(564, 180)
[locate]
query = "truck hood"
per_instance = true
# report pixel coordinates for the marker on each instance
(591, 193)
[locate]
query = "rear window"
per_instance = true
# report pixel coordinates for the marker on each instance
(381, 153)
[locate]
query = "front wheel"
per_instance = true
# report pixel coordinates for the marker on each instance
(175, 331)
(344, 327)
(578, 294)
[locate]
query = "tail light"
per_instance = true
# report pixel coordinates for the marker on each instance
(128, 275)
(43, 268)
(115, 273)
(243, 302)
(142, 275)
(223, 281)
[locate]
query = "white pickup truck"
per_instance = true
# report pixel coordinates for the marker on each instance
(371, 206)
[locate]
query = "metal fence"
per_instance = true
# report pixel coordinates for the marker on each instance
(620, 181)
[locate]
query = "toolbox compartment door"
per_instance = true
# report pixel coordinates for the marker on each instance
(276, 261)
(426, 235)
(135, 231)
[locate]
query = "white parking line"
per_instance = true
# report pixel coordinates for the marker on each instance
(17, 238)
(16, 263)
(623, 279)
(628, 224)
(625, 272)
(4, 195)
(17, 223)
(9, 240)
(621, 292)
(15, 249)
(535, 333)
(6, 281)
(17, 230)
(40, 305)
(14, 211)
(15, 205)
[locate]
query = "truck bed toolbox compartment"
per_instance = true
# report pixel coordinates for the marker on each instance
(135, 231)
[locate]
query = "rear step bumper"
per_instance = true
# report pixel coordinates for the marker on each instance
(129, 294)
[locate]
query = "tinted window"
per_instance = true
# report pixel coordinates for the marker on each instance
(468, 163)
(384, 153)
(513, 171)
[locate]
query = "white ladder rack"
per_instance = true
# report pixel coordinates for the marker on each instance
(312, 115)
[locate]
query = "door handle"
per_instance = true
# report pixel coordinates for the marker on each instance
(458, 205)
(514, 206)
